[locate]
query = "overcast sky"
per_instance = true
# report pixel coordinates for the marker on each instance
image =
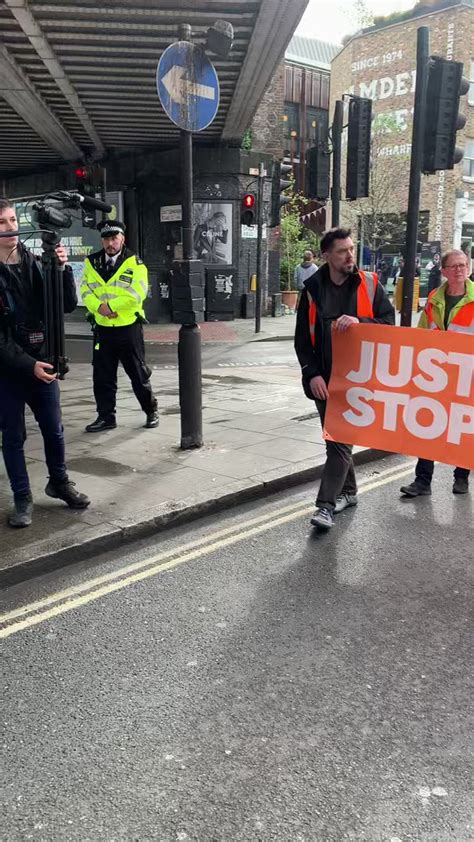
(330, 21)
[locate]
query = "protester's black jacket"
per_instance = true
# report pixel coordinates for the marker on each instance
(318, 360)
(22, 313)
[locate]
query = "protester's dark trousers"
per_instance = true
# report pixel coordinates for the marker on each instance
(126, 345)
(44, 401)
(338, 475)
(424, 472)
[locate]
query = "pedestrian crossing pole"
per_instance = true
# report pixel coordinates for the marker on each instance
(416, 163)
(336, 163)
(258, 295)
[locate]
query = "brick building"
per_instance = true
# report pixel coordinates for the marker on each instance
(294, 112)
(380, 63)
(306, 106)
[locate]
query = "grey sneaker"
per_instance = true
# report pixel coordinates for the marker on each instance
(344, 501)
(22, 512)
(323, 518)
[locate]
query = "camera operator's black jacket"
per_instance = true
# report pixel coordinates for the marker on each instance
(317, 361)
(22, 313)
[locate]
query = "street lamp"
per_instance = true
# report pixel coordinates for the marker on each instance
(220, 38)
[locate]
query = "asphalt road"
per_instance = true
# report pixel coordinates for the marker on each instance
(245, 678)
(213, 353)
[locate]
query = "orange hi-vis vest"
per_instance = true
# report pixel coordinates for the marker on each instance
(365, 298)
(461, 322)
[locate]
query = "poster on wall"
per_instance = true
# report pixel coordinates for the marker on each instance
(79, 241)
(212, 232)
(430, 267)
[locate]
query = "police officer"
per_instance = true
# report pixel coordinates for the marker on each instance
(24, 376)
(114, 287)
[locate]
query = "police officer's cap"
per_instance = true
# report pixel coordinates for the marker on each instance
(110, 227)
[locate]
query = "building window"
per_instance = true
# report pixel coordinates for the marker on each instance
(470, 95)
(291, 121)
(316, 126)
(314, 97)
(325, 92)
(297, 79)
(288, 83)
(468, 161)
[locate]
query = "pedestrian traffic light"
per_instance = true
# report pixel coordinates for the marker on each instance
(317, 172)
(84, 181)
(90, 179)
(446, 85)
(358, 147)
(248, 209)
(280, 183)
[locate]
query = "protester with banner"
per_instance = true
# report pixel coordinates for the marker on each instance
(450, 308)
(404, 390)
(338, 295)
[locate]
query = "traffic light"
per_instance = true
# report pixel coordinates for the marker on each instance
(280, 183)
(358, 148)
(446, 85)
(317, 172)
(248, 209)
(90, 181)
(84, 182)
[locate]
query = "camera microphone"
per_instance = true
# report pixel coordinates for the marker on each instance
(91, 203)
(10, 234)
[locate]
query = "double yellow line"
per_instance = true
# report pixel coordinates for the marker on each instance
(67, 600)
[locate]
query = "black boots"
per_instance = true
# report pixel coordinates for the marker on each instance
(415, 489)
(66, 491)
(152, 419)
(99, 425)
(461, 485)
(23, 506)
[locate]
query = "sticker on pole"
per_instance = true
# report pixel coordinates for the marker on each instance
(187, 86)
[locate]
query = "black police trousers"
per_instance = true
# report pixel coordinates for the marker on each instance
(125, 345)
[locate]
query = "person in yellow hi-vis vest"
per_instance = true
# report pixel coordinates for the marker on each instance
(113, 288)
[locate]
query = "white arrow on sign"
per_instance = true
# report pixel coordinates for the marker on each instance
(180, 89)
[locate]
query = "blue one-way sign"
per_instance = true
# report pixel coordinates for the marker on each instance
(187, 86)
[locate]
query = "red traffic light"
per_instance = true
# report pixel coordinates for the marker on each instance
(81, 172)
(248, 209)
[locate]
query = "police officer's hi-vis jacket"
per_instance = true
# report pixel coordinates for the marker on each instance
(124, 292)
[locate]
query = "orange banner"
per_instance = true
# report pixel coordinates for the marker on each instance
(404, 390)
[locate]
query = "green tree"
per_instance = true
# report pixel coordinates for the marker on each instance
(295, 238)
(378, 215)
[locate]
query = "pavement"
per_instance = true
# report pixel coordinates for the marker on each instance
(238, 330)
(260, 435)
(248, 679)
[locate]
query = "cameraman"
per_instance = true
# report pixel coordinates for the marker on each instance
(24, 377)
